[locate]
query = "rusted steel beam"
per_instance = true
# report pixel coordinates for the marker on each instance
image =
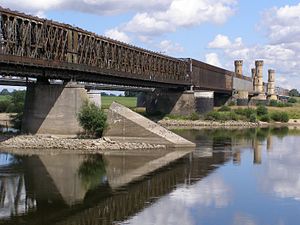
(33, 41)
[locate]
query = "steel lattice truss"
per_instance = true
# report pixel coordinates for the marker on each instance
(31, 41)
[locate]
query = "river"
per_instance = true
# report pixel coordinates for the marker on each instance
(234, 177)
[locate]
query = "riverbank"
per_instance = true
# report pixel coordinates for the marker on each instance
(41, 143)
(198, 124)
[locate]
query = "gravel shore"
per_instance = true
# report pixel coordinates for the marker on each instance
(208, 124)
(41, 142)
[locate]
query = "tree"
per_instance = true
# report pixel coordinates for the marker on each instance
(294, 93)
(131, 93)
(4, 92)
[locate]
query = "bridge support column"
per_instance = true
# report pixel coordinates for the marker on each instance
(52, 109)
(179, 103)
(242, 98)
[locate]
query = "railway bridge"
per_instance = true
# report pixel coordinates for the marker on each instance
(32, 47)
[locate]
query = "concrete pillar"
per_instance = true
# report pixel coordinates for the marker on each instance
(271, 85)
(95, 97)
(53, 109)
(238, 64)
(242, 98)
(170, 102)
(204, 101)
(180, 103)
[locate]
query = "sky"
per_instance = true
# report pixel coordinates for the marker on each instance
(214, 31)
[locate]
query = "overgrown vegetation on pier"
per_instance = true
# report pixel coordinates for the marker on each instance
(92, 119)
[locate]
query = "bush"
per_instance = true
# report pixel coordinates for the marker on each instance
(275, 103)
(252, 118)
(261, 110)
(224, 108)
(194, 116)
(232, 103)
(17, 120)
(4, 105)
(280, 116)
(247, 112)
(221, 116)
(92, 119)
(292, 100)
(265, 118)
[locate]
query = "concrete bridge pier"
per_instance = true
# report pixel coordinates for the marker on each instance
(53, 109)
(178, 102)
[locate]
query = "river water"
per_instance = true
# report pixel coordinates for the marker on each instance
(236, 177)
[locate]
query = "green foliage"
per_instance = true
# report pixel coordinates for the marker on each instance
(247, 112)
(17, 102)
(92, 119)
(194, 116)
(221, 116)
(131, 93)
(224, 108)
(232, 103)
(4, 105)
(252, 118)
(292, 100)
(265, 118)
(261, 110)
(294, 93)
(5, 92)
(17, 120)
(280, 116)
(275, 103)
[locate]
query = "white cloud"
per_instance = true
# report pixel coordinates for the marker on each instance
(91, 6)
(117, 35)
(220, 41)
(181, 13)
(183, 201)
(213, 59)
(281, 177)
(168, 47)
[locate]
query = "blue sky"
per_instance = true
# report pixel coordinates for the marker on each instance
(214, 31)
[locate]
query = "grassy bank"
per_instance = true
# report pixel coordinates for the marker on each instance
(129, 102)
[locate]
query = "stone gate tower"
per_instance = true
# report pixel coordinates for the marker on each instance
(271, 85)
(238, 67)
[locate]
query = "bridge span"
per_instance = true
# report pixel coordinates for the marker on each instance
(32, 47)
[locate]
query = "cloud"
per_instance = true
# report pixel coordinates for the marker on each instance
(281, 176)
(100, 7)
(117, 35)
(282, 57)
(183, 201)
(181, 13)
(213, 59)
(168, 47)
(220, 41)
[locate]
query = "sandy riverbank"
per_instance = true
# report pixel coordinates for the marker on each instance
(41, 143)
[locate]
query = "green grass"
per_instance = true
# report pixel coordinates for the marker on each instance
(5, 97)
(129, 102)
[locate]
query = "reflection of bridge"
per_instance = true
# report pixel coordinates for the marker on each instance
(62, 192)
(37, 48)
(53, 183)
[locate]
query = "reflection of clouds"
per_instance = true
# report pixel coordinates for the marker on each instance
(243, 219)
(176, 207)
(210, 192)
(281, 175)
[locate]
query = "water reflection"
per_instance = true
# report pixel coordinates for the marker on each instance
(230, 178)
